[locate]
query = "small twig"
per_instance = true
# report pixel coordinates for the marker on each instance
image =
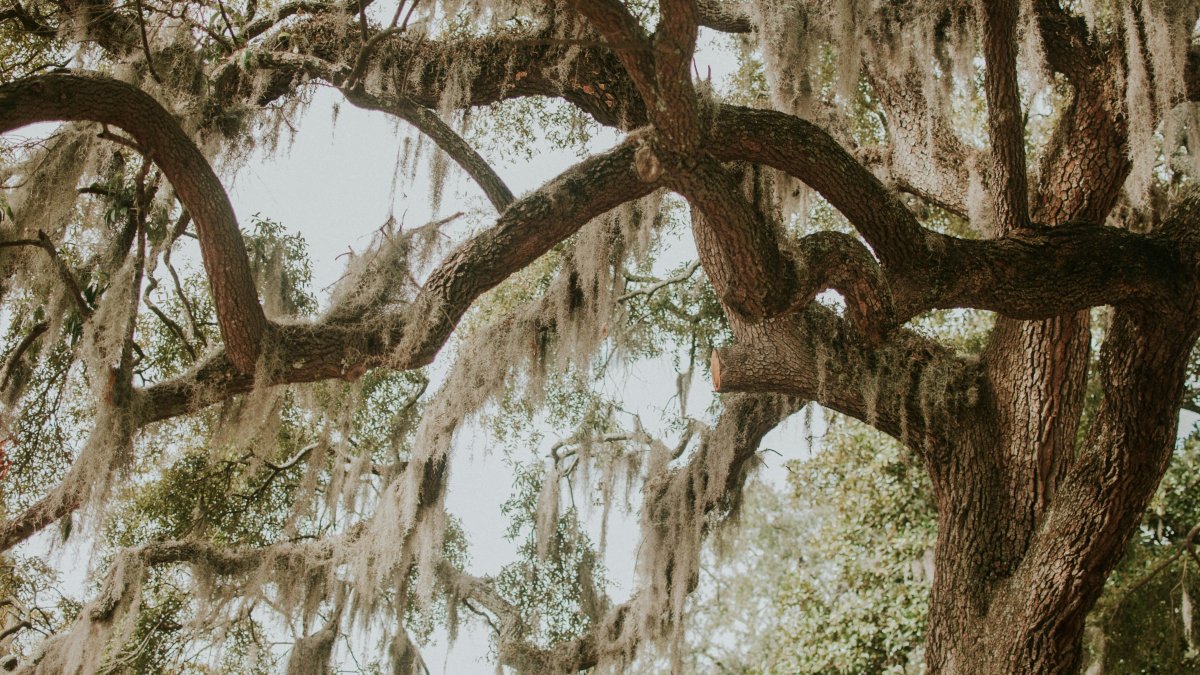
(193, 323)
(167, 321)
(685, 439)
(146, 42)
(1184, 546)
(362, 19)
(120, 140)
(396, 15)
(277, 469)
(202, 27)
(577, 440)
(369, 45)
(43, 242)
(28, 22)
(655, 287)
(12, 630)
(228, 23)
(483, 615)
(294, 460)
(102, 191)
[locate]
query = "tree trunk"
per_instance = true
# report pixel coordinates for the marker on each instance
(1026, 543)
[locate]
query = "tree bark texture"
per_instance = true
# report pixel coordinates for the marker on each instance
(1034, 506)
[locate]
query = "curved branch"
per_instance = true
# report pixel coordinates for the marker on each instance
(411, 336)
(505, 66)
(805, 151)
(839, 262)
(404, 338)
(84, 97)
(1034, 273)
(427, 122)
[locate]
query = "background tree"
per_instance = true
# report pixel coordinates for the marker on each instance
(1048, 177)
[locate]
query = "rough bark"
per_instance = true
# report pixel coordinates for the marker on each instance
(1031, 520)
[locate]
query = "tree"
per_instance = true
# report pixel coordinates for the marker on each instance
(1029, 159)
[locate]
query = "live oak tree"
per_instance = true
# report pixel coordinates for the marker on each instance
(830, 572)
(1056, 140)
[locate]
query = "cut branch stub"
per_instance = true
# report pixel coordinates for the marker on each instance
(77, 97)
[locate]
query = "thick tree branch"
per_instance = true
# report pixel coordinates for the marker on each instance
(924, 155)
(403, 338)
(738, 244)
(78, 97)
(805, 151)
(1010, 190)
(909, 386)
(411, 336)
(677, 114)
(723, 16)
(504, 67)
(1090, 265)
(1047, 272)
(1086, 159)
(1065, 37)
(628, 41)
(1108, 486)
(839, 262)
